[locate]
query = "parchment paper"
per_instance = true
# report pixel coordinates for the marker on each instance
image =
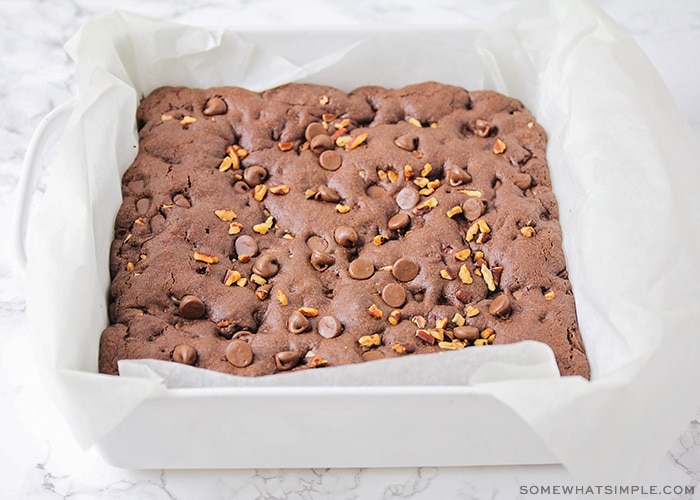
(625, 171)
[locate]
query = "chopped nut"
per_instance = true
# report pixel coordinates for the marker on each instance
(342, 209)
(419, 321)
(280, 190)
(393, 175)
(488, 277)
(259, 192)
(458, 319)
(530, 125)
(288, 236)
(357, 141)
(285, 146)
(370, 340)
(344, 124)
(362, 174)
(465, 275)
(421, 182)
(309, 193)
(447, 273)
(203, 257)
(380, 239)
(235, 228)
(415, 122)
(441, 323)
(486, 333)
(343, 140)
(328, 117)
(281, 298)
(549, 294)
(491, 338)
(394, 317)
(223, 323)
(130, 266)
(472, 231)
(240, 152)
(309, 312)
(140, 221)
(426, 191)
(316, 361)
(257, 279)
(481, 342)
(339, 133)
(499, 147)
(428, 204)
(381, 174)
(231, 277)
(463, 255)
(471, 192)
(434, 125)
(456, 210)
(452, 345)
(225, 215)
(527, 231)
(323, 100)
(165, 118)
(471, 311)
(462, 296)
(128, 237)
(375, 312)
(437, 333)
(478, 255)
(261, 228)
(225, 164)
(408, 172)
(188, 120)
(483, 226)
(434, 184)
(243, 258)
(242, 282)
(263, 291)
(426, 170)
(402, 347)
(425, 336)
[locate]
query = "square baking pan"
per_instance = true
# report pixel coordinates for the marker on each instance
(285, 426)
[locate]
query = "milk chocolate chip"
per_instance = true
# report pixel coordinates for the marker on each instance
(181, 201)
(404, 269)
(399, 221)
(192, 307)
(142, 205)
(473, 208)
(324, 193)
(215, 106)
(254, 175)
(482, 128)
(470, 333)
(500, 306)
(407, 198)
(407, 142)
(185, 354)
(286, 360)
(394, 295)
(321, 260)
(361, 269)
(313, 129)
(297, 323)
(246, 245)
(321, 143)
(266, 265)
(457, 176)
(329, 327)
(317, 243)
(346, 236)
(330, 160)
(239, 353)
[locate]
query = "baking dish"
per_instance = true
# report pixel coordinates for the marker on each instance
(503, 417)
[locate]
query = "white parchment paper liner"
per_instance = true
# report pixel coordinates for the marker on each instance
(624, 166)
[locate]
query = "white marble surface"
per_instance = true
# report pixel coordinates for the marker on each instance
(39, 459)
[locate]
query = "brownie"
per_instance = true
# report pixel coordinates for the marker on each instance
(304, 227)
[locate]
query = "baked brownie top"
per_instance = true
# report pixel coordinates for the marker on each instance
(304, 227)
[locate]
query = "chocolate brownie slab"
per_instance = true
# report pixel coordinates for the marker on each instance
(304, 227)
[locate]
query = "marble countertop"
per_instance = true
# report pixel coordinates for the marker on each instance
(38, 457)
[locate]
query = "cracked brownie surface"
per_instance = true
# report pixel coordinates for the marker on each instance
(304, 227)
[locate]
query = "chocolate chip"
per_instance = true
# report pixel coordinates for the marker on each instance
(246, 245)
(181, 201)
(142, 205)
(372, 355)
(324, 193)
(329, 327)
(266, 265)
(317, 243)
(192, 307)
(375, 191)
(473, 208)
(137, 185)
(185, 354)
(254, 175)
(215, 106)
(404, 269)
(241, 187)
(313, 129)
(407, 142)
(407, 198)
(500, 306)
(466, 332)
(482, 128)
(297, 323)
(399, 221)
(321, 143)
(394, 295)
(456, 176)
(239, 353)
(286, 360)
(361, 269)
(157, 223)
(321, 260)
(346, 236)
(330, 160)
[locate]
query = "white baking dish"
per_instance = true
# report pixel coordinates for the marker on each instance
(509, 414)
